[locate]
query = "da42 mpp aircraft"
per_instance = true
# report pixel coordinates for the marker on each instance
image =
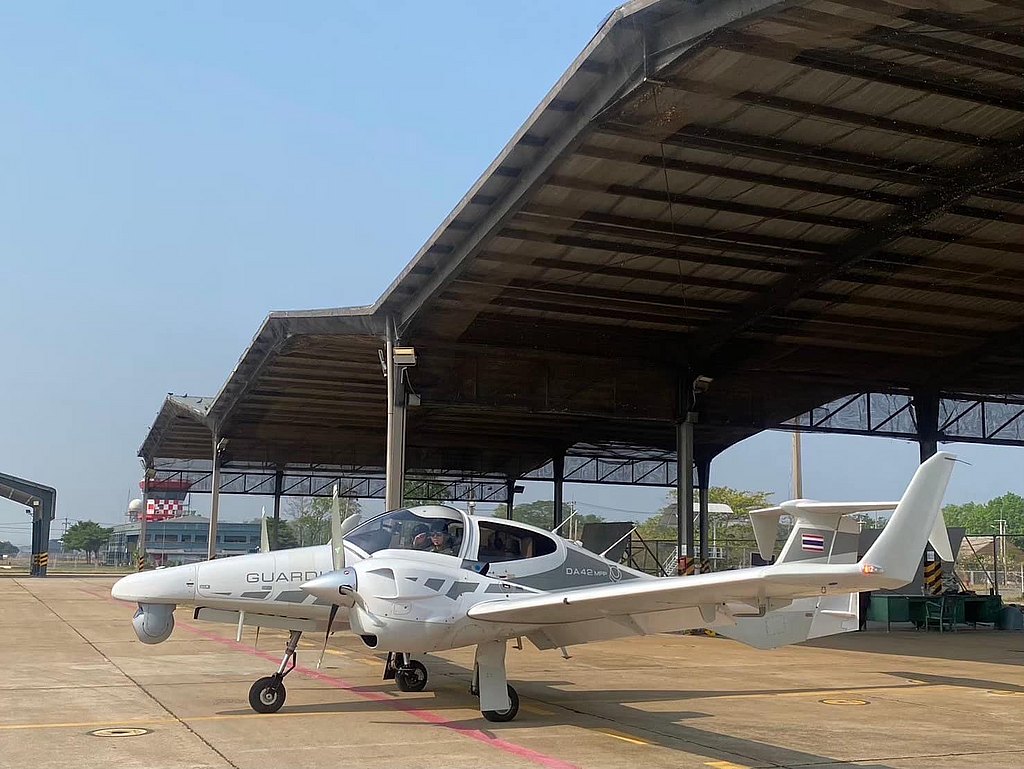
(485, 581)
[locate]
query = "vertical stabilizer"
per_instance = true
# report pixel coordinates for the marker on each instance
(916, 521)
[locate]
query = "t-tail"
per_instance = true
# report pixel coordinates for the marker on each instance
(824, 534)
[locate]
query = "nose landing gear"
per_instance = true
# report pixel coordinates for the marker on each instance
(267, 695)
(410, 675)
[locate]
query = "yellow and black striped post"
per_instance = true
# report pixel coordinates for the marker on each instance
(705, 566)
(141, 564)
(44, 560)
(933, 576)
(684, 567)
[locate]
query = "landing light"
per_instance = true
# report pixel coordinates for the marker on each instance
(870, 568)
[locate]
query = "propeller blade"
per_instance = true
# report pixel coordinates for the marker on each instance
(264, 534)
(330, 624)
(337, 535)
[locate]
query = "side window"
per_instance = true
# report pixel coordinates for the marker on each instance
(499, 542)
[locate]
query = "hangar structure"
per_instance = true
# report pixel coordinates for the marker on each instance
(41, 501)
(725, 214)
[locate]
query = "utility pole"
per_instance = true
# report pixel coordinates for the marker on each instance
(798, 470)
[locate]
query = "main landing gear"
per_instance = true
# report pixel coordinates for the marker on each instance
(410, 675)
(268, 693)
(499, 702)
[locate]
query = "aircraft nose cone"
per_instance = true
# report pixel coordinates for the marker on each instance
(177, 584)
(334, 586)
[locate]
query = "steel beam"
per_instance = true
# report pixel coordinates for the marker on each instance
(995, 169)
(867, 68)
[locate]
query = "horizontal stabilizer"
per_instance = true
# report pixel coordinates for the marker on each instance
(766, 519)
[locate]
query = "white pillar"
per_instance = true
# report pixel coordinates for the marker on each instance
(211, 547)
(395, 459)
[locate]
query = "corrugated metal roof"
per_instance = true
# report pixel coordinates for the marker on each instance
(801, 199)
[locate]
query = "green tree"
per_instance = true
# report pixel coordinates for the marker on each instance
(88, 536)
(311, 518)
(983, 517)
(6, 548)
(732, 532)
(285, 536)
(541, 514)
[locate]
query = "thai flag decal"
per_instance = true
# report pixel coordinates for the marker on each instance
(814, 543)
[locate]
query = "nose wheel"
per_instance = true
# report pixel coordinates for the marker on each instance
(410, 675)
(267, 695)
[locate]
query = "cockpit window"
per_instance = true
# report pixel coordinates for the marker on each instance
(499, 542)
(434, 529)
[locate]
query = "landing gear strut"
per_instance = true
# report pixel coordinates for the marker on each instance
(498, 700)
(268, 693)
(410, 675)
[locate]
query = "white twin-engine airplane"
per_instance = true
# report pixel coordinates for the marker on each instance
(484, 581)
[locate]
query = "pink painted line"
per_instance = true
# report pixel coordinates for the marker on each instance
(426, 716)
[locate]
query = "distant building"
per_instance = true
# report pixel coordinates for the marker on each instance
(180, 540)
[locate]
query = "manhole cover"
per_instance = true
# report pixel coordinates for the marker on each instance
(844, 702)
(120, 731)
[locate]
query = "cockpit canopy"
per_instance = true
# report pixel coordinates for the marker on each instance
(433, 528)
(445, 530)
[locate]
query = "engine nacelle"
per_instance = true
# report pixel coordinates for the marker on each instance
(153, 622)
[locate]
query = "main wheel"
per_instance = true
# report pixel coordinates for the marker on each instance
(267, 695)
(412, 678)
(504, 715)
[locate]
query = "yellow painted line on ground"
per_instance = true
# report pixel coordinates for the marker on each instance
(621, 736)
(724, 765)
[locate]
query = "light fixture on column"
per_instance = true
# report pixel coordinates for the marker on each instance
(405, 356)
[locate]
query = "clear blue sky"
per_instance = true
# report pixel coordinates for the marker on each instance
(171, 173)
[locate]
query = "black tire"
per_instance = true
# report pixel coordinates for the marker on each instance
(500, 716)
(267, 695)
(412, 678)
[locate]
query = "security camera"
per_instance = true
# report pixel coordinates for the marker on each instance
(702, 383)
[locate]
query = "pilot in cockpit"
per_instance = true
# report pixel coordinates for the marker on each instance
(440, 542)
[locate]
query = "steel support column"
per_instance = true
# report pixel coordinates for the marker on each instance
(704, 489)
(926, 409)
(558, 479)
(395, 460)
(510, 497)
(211, 547)
(39, 545)
(140, 550)
(278, 488)
(684, 486)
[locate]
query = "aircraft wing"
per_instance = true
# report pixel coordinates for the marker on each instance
(752, 587)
